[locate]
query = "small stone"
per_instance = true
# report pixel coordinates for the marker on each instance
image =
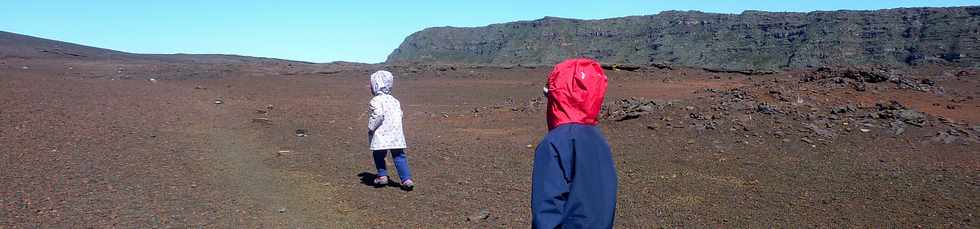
(863, 130)
(530, 146)
(912, 117)
(266, 121)
(766, 109)
(300, 132)
(218, 101)
(282, 210)
(483, 214)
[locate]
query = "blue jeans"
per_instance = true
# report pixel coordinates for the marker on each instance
(401, 163)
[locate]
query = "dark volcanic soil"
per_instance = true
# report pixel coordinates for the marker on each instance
(82, 147)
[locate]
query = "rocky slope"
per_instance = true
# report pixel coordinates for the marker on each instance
(19, 46)
(22, 52)
(751, 40)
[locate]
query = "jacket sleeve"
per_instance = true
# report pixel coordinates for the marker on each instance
(375, 116)
(549, 188)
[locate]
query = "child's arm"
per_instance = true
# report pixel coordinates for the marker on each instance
(549, 189)
(375, 116)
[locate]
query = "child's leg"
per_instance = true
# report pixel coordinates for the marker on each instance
(379, 162)
(401, 163)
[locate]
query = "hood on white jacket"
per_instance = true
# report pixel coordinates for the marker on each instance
(381, 82)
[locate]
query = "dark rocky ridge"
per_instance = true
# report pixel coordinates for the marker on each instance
(751, 40)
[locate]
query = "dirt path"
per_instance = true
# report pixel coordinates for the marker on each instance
(276, 197)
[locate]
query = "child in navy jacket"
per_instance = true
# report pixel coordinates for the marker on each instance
(574, 179)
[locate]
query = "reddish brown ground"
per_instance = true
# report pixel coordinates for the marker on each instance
(79, 151)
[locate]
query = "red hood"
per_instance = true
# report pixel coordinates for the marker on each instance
(576, 88)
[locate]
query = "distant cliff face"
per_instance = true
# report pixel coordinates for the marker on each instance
(751, 40)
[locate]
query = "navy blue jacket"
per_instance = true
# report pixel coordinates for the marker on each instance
(574, 180)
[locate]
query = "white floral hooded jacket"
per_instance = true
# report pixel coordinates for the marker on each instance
(385, 114)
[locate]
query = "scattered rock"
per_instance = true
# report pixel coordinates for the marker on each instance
(946, 137)
(842, 109)
(864, 78)
(819, 131)
(898, 128)
(912, 117)
(766, 109)
(748, 72)
(924, 85)
(860, 74)
(532, 105)
(698, 116)
(630, 108)
(929, 82)
(266, 121)
(481, 215)
(617, 67)
(895, 110)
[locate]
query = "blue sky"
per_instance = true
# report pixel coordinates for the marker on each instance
(324, 31)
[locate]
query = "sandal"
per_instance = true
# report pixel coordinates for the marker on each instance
(381, 181)
(408, 184)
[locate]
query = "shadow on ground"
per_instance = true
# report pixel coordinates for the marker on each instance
(368, 179)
